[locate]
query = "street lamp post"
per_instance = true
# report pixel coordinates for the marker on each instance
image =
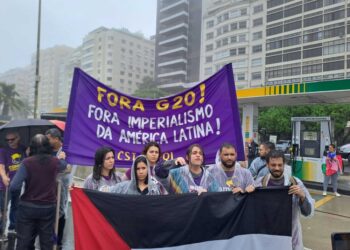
(37, 76)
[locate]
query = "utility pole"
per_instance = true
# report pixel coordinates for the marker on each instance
(37, 76)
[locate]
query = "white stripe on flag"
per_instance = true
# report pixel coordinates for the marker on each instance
(247, 242)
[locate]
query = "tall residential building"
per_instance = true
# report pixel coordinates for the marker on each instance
(118, 58)
(66, 77)
(234, 32)
(178, 38)
(51, 60)
(276, 41)
(307, 41)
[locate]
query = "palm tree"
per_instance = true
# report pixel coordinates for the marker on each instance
(9, 99)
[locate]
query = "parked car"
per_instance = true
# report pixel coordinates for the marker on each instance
(345, 151)
(283, 145)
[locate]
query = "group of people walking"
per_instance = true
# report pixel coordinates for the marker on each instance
(150, 176)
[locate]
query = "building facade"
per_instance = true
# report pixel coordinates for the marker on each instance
(234, 32)
(276, 41)
(118, 58)
(178, 35)
(307, 41)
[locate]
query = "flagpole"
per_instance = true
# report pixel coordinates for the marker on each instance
(37, 77)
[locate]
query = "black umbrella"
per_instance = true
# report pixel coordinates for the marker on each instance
(26, 128)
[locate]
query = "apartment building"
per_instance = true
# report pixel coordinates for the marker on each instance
(178, 36)
(118, 58)
(234, 32)
(307, 41)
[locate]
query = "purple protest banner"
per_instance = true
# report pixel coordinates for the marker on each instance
(206, 114)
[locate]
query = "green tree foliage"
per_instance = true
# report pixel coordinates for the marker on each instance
(9, 99)
(148, 89)
(277, 120)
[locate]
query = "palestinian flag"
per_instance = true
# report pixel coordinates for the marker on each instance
(260, 220)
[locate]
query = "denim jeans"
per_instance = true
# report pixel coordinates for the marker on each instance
(33, 220)
(14, 197)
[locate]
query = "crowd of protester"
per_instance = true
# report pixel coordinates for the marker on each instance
(41, 166)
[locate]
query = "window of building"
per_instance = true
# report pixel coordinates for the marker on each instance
(273, 3)
(257, 35)
(208, 59)
(225, 29)
(224, 41)
(258, 8)
(242, 38)
(240, 76)
(314, 19)
(257, 22)
(335, 63)
(256, 75)
(110, 38)
(256, 62)
(109, 70)
(109, 78)
(241, 51)
(243, 24)
(293, 10)
(130, 74)
(233, 39)
(334, 47)
(123, 41)
(329, 2)
(233, 52)
(210, 23)
(122, 80)
(334, 15)
(233, 26)
(312, 5)
(274, 15)
(218, 44)
(209, 47)
(210, 35)
(257, 48)
(273, 30)
(122, 73)
(109, 62)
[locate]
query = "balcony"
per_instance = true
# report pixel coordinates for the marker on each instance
(173, 39)
(173, 5)
(169, 18)
(172, 62)
(179, 72)
(173, 50)
(178, 26)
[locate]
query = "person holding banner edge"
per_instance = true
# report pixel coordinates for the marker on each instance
(302, 201)
(104, 173)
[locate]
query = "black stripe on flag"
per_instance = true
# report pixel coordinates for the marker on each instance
(174, 220)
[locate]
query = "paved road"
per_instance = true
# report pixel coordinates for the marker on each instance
(332, 214)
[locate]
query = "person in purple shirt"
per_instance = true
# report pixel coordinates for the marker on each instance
(10, 159)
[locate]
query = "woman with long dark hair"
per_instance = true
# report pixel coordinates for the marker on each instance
(103, 173)
(141, 182)
(37, 206)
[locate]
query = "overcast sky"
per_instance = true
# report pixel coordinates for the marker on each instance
(65, 22)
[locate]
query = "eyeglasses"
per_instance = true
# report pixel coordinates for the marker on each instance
(10, 139)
